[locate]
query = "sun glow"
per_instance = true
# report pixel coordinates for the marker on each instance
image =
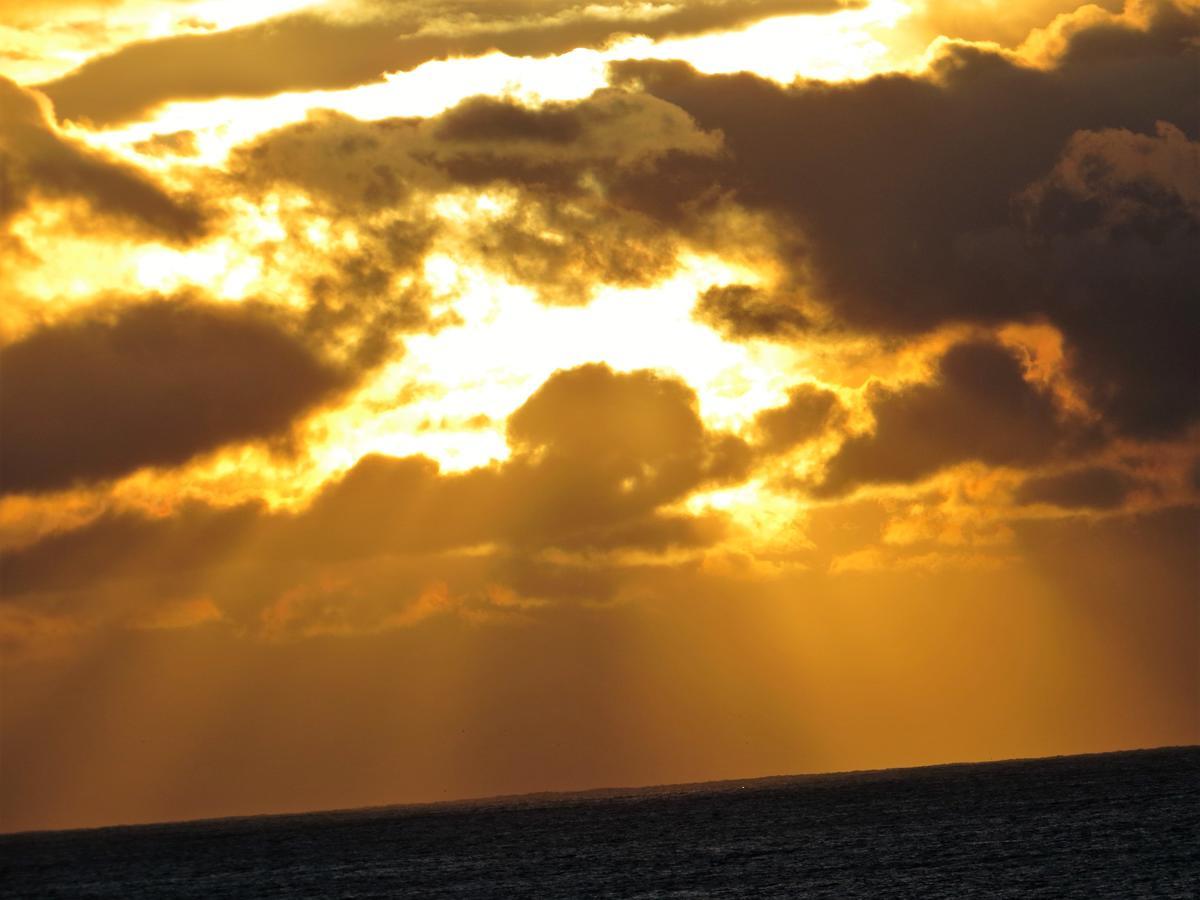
(217, 266)
(450, 393)
(766, 521)
(64, 265)
(843, 45)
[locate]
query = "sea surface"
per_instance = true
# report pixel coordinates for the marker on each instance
(1110, 825)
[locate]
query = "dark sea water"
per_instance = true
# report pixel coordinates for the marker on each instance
(1112, 825)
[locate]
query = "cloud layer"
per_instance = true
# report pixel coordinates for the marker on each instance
(311, 50)
(149, 384)
(37, 160)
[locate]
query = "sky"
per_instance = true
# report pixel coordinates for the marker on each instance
(427, 399)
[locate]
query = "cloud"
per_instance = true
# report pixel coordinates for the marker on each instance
(615, 204)
(1095, 487)
(553, 151)
(978, 407)
(1005, 23)
(488, 119)
(585, 188)
(127, 546)
(744, 311)
(154, 383)
(909, 201)
(592, 413)
(356, 309)
(307, 50)
(598, 459)
(36, 160)
(596, 456)
(1116, 227)
(336, 159)
(807, 413)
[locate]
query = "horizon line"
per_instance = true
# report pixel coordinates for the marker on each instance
(583, 794)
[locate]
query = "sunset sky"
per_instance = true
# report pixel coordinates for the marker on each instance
(405, 400)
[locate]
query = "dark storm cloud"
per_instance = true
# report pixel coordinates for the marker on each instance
(35, 160)
(918, 200)
(743, 311)
(596, 455)
(1095, 487)
(151, 384)
(306, 51)
(1116, 229)
(807, 413)
(489, 119)
(978, 407)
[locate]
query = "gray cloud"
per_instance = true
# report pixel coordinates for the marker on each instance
(808, 412)
(987, 191)
(154, 383)
(743, 311)
(596, 455)
(979, 407)
(585, 215)
(36, 160)
(1095, 487)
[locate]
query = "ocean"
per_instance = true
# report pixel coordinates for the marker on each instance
(1110, 825)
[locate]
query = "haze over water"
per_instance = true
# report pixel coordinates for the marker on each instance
(1111, 825)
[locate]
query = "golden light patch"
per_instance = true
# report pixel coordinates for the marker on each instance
(449, 393)
(216, 267)
(188, 613)
(57, 262)
(452, 391)
(766, 521)
(848, 44)
(68, 257)
(838, 46)
(26, 519)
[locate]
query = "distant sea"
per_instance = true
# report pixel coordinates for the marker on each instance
(1110, 825)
